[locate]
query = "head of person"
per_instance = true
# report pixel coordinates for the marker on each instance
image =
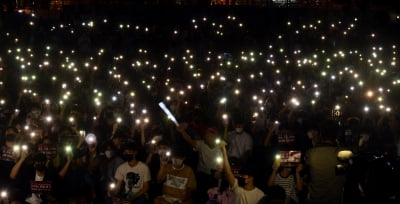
(163, 146)
(109, 149)
(178, 156)
(239, 125)
(210, 136)
(329, 131)
(129, 152)
(10, 140)
(313, 133)
(39, 162)
(246, 177)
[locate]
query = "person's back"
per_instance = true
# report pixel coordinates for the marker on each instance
(326, 185)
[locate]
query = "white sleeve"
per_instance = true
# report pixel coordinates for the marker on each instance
(119, 174)
(147, 175)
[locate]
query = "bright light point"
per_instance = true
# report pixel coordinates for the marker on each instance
(222, 100)
(369, 94)
(219, 160)
(295, 101)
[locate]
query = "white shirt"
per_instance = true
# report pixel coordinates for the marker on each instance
(34, 199)
(134, 177)
(207, 157)
(239, 144)
(243, 196)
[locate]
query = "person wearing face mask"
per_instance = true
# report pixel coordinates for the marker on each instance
(135, 174)
(36, 183)
(178, 180)
(313, 135)
(109, 162)
(243, 186)
(240, 144)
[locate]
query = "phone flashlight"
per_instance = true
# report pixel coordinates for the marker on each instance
(112, 186)
(68, 149)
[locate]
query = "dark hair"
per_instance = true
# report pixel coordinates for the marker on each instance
(178, 151)
(329, 130)
(10, 137)
(129, 146)
(249, 171)
(39, 157)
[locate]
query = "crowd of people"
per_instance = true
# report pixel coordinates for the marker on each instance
(297, 109)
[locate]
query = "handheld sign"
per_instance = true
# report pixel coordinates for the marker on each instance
(169, 114)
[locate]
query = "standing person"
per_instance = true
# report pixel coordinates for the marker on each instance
(245, 190)
(209, 151)
(326, 185)
(179, 180)
(240, 144)
(135, 174)
(283, 177)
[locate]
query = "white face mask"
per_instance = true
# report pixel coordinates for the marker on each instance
(309, 134)
(239, 130)
(177, 162)
(109, 153)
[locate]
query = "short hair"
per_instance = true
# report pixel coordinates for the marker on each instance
(39, 157)
(178, 151)
(129, 146)
(247, 170)
(329, 130)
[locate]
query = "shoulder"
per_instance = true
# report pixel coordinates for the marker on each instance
(123, 166)
(142, 165)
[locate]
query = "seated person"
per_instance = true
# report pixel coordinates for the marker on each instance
(179, 180)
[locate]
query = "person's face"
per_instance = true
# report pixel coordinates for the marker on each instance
(129, 151)
(247, 179)
(209, 138)
(92, 148)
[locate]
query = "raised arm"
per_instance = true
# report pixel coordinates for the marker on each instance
(227, 167)
(186, 137)
(17, 166)
(272, 177)
(162, 173)
(299, 178)
(64, 170)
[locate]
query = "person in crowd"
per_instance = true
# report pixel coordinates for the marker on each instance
(240, 144)
(36, 183)
(207, 168)
(221, 194)
(134, 174)
(179, 181)
(78, 185)
(245, 190)
(110, 160)
(159, 152)
(282, 175)
(326, 185)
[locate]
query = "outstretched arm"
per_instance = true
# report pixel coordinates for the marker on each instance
(186, 137)
(227, 167)
(17, 166)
